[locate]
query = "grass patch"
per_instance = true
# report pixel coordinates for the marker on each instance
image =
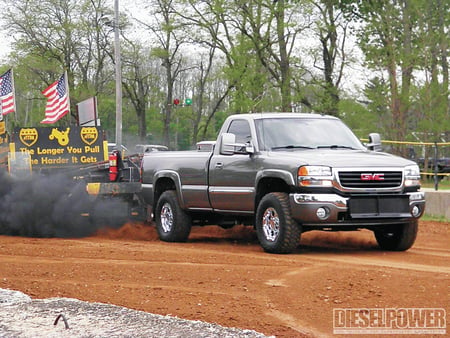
(433, 218)
(443, 184)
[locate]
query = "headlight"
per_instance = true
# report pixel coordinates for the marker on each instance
(412, 170)
(315, 176)
(412, 175)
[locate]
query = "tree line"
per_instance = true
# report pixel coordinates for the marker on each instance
(232, 56)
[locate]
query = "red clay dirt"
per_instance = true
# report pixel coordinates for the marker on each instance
(223, 276)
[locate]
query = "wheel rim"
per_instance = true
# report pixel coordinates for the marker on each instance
(271, 224)
(166, 217)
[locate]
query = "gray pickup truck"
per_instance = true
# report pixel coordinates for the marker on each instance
(285, 173)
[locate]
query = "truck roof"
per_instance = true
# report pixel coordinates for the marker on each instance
(266, 115)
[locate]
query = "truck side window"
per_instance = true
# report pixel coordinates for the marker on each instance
(241, 129)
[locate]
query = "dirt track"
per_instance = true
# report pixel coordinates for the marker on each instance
(223, 276)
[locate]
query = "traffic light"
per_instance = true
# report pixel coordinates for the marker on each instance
(188, 102)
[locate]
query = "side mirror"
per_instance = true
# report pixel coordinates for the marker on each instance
(374, 142)
(249, 148)
(228, 145)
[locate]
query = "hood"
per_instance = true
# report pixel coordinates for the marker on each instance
(342, 158)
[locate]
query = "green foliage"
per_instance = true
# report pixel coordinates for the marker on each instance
(356, 115)
(248, 76)
(376, 91)
(53, 37)
(431, 106)
(402, 40)
(260, 52)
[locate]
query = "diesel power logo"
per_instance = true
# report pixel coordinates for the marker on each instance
(28, 136)
(89, 135)
(409, 321)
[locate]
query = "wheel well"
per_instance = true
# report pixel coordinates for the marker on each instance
(161, 185)
(270, 184)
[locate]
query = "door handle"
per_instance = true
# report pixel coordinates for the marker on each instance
(219, 165)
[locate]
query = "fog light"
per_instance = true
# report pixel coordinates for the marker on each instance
(415, 211)
(322, 213)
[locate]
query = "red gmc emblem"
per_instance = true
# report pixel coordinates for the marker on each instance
(372, 177)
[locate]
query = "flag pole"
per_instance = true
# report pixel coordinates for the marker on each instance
(118, 77)
(14, 93)
(66, 82)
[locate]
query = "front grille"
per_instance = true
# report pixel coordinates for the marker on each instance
(379, 206)
(370, 179)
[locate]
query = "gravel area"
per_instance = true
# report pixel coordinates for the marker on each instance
(21, 316)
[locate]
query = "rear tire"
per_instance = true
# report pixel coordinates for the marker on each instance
(277, 231)
(397, 237)
(173, 224)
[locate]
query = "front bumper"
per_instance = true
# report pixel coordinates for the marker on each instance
(333, 209)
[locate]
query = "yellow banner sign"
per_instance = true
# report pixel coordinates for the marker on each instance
(61, 147)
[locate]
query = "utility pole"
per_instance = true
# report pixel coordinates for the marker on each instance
(118, 77)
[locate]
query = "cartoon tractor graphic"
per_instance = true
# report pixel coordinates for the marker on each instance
(61, 136)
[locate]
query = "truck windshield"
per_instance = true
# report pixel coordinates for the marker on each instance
(305, 133)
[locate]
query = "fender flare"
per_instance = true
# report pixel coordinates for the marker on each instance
(175, 178)
(275, 173)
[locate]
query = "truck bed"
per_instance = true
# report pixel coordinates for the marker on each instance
(189, 167)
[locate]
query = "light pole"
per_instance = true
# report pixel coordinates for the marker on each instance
(118, 77)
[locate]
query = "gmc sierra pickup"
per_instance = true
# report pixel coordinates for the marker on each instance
(285, 173)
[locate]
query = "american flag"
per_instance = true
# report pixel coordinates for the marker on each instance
(8, 104)
(58, 100)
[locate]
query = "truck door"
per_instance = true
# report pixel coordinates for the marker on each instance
(232, 177)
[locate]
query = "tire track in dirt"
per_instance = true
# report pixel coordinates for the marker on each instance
(296, 324)
(353, 260)
(430, 251)
(321, 260)
(303, 258)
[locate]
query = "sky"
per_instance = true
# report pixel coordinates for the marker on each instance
(6, 44)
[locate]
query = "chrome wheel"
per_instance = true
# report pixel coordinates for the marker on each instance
(173, 224)
(271, 224)
(166, 217)
(277, 231)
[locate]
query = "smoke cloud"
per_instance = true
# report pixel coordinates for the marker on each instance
(54, 206)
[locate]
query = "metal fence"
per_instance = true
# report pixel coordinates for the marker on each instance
(433, 158)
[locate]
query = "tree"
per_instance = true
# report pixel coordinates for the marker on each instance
(169, 36)
(432, 95)
(264, 23)
(331, 29)
(138, 82)
(56, 36)
(390, 38)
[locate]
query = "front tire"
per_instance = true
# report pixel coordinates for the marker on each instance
(399, 237)
(173, 224)
(276, 229)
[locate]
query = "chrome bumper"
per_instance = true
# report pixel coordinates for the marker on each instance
(334, 209)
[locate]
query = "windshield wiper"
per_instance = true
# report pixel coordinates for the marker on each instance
(336, 146)
(291, 146)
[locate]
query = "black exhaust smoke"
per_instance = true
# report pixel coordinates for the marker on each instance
(54, 206)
